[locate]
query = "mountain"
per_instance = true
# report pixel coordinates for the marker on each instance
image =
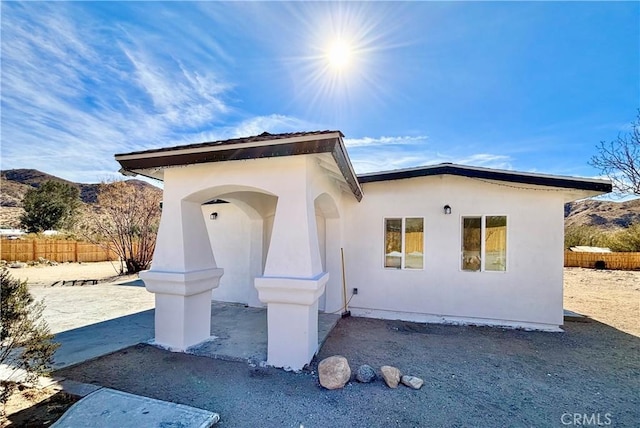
(34, 178)
(14, 183)
(605, 215)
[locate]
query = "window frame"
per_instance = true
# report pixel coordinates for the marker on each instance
(483, 257)
(402, 242)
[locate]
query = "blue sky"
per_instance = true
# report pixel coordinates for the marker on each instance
(529, 86)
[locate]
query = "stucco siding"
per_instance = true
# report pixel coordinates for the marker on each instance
(232, 239)
(527, 294)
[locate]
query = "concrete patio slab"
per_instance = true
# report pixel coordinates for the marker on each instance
(111, 408)
(238, 333)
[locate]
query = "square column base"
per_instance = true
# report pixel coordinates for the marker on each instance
(292, 318)
(183, 305)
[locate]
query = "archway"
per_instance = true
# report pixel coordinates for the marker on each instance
(239, 227)
(184, 270)
(328, 229)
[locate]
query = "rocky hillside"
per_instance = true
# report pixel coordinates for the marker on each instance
(34, 178)
(11, 193)
(602, 214)
(14, 183)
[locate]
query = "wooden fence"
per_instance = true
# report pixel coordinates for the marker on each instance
(74, 251)
(57, 250)
(619, 261)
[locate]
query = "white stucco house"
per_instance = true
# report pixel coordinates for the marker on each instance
(282, 221)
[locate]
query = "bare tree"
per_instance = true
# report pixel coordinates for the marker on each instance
(126, 221)
(620, 160)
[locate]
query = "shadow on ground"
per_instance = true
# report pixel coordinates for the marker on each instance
(91, 341)
(43, 413)
(474, 376)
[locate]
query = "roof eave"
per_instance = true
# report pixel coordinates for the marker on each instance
(589, 185)
(328, 142)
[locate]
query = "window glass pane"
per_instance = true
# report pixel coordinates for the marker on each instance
(413, 243)
(495, 243)
(393, 243)
(471, 243)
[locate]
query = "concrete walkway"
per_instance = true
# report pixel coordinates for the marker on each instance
(110, 408)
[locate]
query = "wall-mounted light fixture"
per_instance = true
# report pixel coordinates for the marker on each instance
(213, 216)
(447, 209)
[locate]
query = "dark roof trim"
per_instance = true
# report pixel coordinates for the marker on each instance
(262, 146)
(255, 140)
(240, 153)
(490, 174)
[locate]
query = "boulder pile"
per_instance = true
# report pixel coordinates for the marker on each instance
(334, 373)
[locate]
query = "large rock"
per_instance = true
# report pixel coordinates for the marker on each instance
(334, 372)
(365, 374)
(412, 382)
(391, 376)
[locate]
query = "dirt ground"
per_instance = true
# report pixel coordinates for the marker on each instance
(609, 296)
(474, 376)
(33, 407)
(47, 275)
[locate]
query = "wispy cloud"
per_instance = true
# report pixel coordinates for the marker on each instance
(74, 92)
(274, 123)
(371, 154)
(487, 160)
(384, 141)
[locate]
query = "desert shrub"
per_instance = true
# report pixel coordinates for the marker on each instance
(626, 239)
(53, 205)
(26, 342)
(585, 235)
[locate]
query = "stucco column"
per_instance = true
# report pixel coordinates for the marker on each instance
(182, 276)
(292, 283)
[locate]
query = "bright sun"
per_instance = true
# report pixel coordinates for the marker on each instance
(339, 55)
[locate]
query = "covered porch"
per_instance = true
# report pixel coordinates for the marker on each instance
(289, 189)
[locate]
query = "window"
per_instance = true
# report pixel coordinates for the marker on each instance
(484, 243)
(404, 243)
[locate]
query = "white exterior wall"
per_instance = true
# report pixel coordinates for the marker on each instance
(528, 294)
(236, 241)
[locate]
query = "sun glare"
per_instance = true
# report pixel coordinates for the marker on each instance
(344, 54)
(339, 55)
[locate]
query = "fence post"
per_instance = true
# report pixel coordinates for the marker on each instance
(75, 252)
(34, 247)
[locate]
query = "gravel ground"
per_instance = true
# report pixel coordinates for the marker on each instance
(474, 376)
